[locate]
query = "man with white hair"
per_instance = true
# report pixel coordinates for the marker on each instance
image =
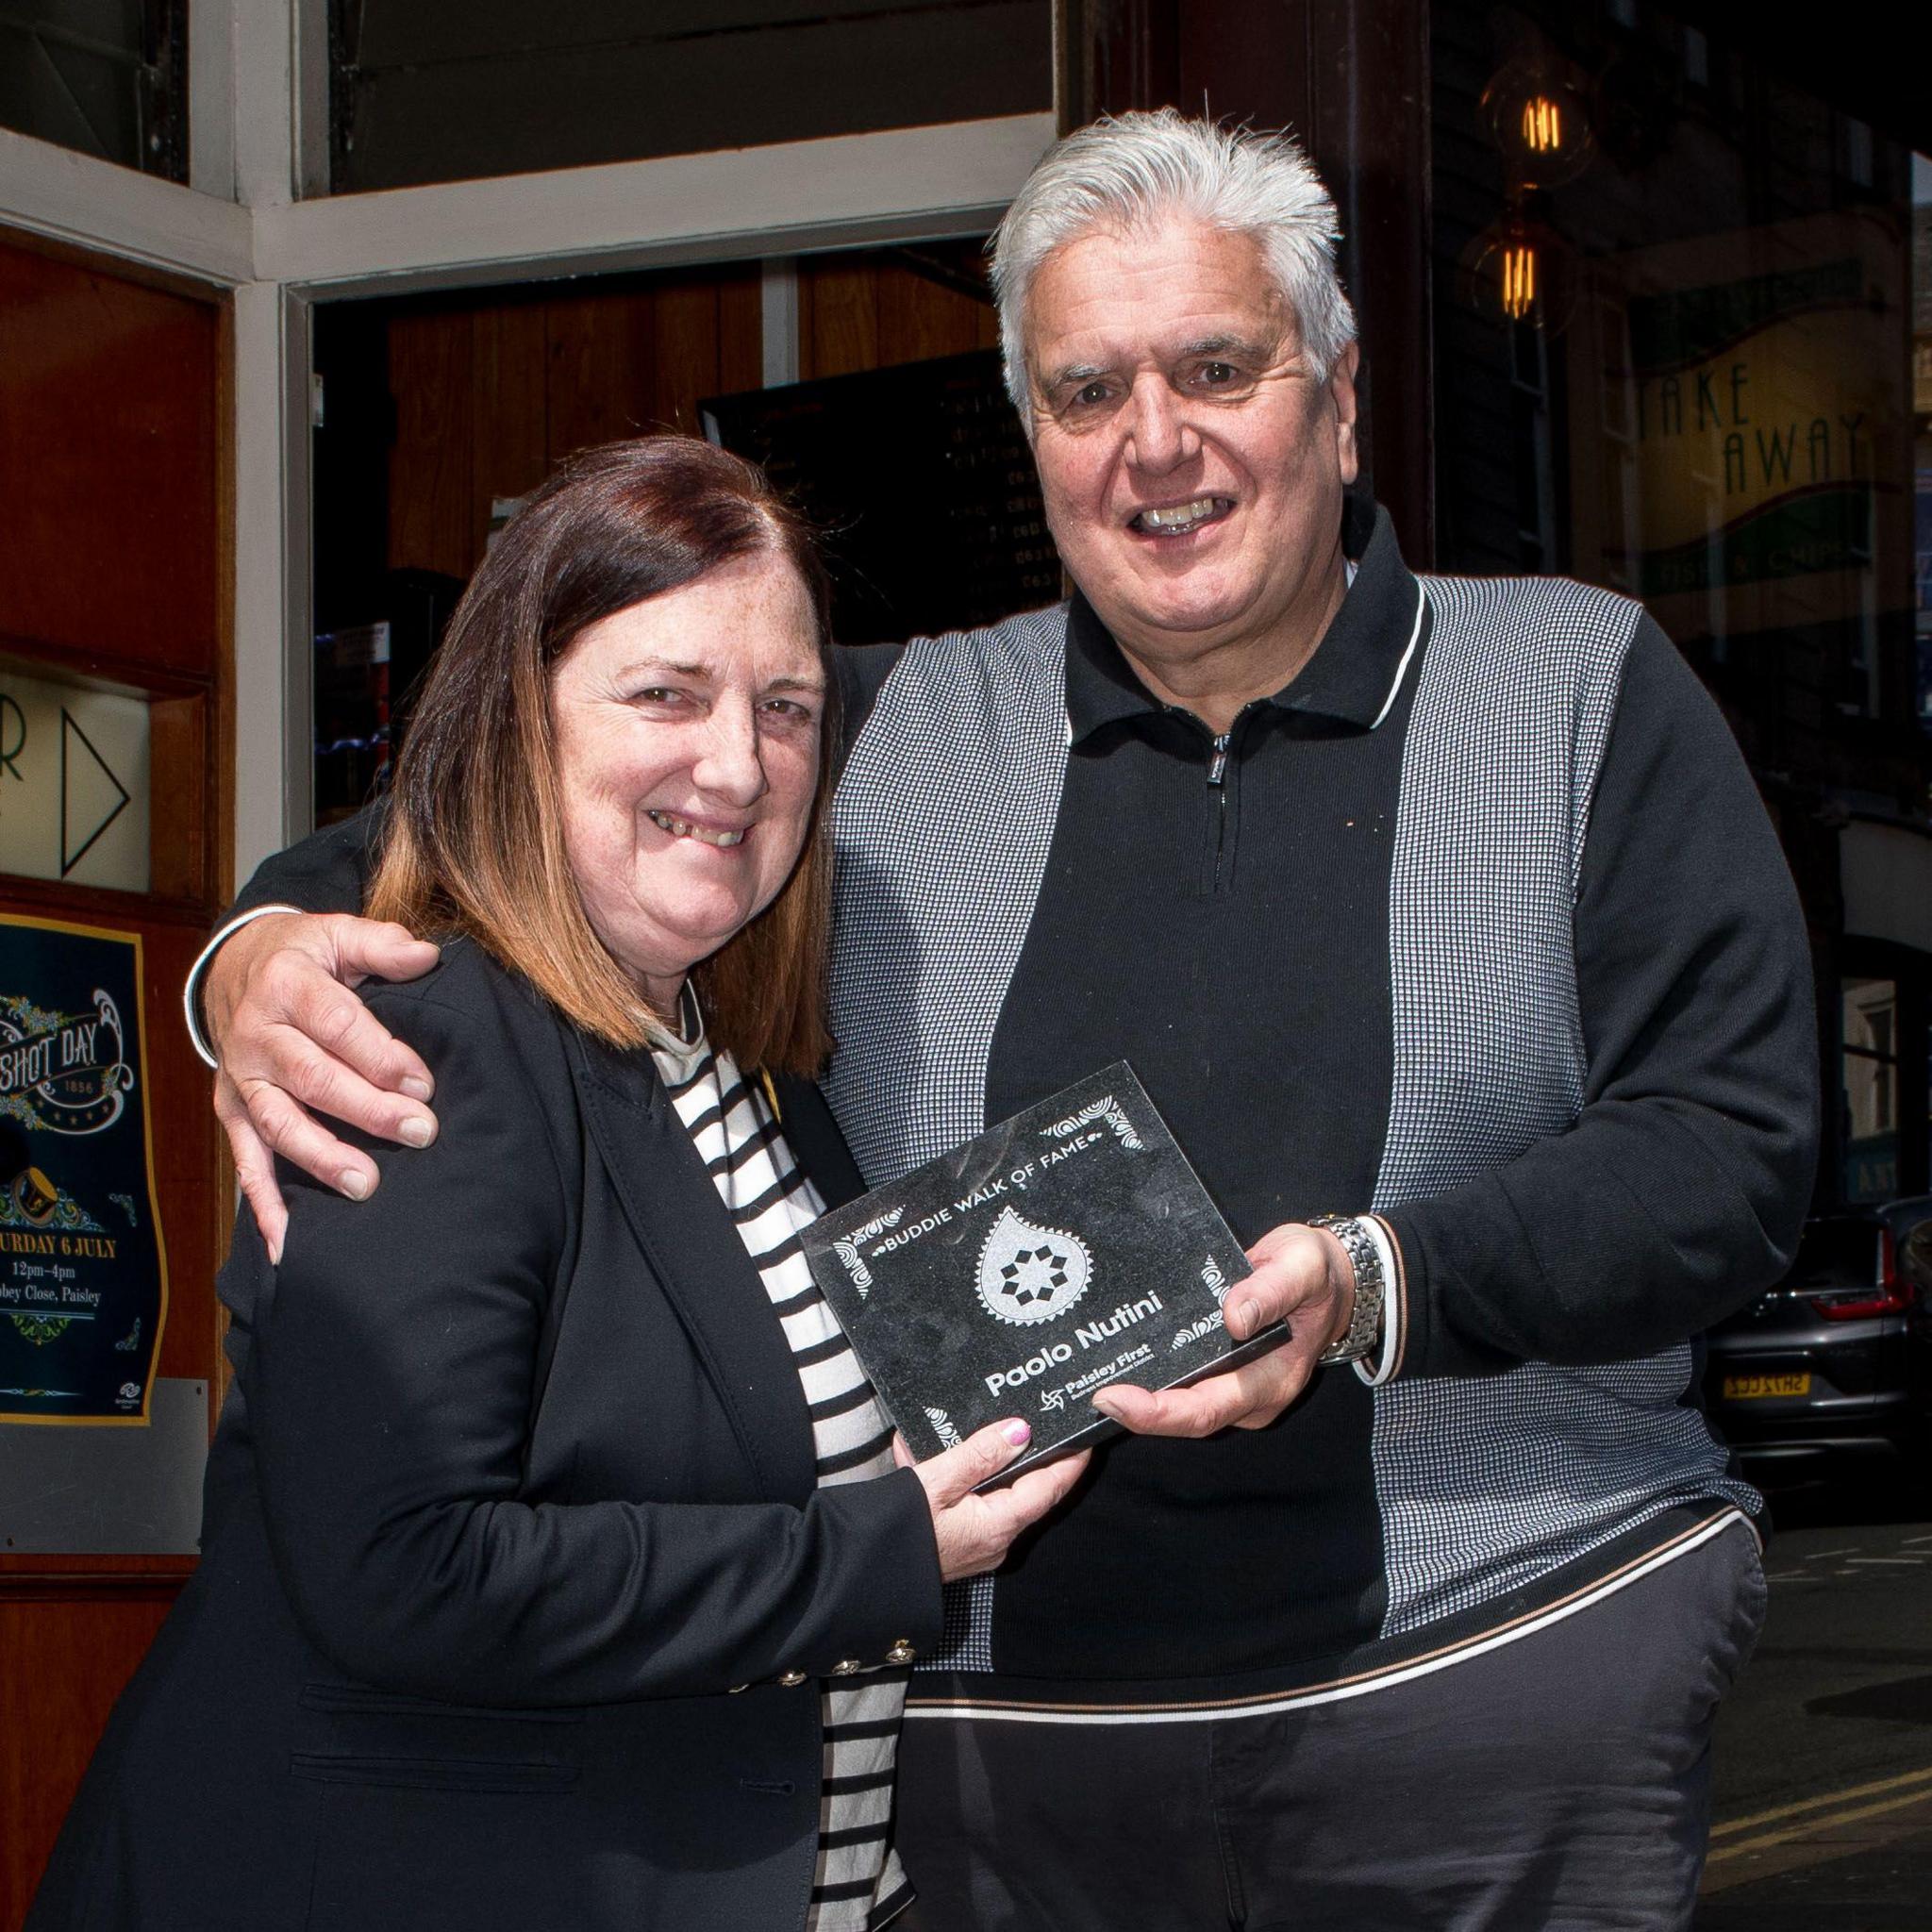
(1440, 919)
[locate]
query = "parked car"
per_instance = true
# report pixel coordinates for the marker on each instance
(1837, 1358)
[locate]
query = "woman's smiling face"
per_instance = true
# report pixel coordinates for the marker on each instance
(688, 732)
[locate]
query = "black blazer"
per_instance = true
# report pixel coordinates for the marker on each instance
(510, 1530)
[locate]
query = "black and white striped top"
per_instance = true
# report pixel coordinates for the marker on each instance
(859, 1884)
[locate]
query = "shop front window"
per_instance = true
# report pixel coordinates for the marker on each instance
(1871, 1089)
(104, 77)
(1683, 349)
(425, 91)
(1922, 423)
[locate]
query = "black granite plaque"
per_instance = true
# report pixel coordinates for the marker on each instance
(1066, 1248)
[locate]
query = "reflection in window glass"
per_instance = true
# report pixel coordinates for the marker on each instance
(1685, 286)
(1871, 1089)
(105, 78)
(451, 89)
(1683, 348)
(1921, 418)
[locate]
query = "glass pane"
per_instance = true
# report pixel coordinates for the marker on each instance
(1683, 348)
(1921, 413)
(1836, 1253)
(106, 78)
(451, 89)
(79, 811)
(1870, 1009)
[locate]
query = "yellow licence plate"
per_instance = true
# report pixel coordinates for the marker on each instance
(1749, 1388)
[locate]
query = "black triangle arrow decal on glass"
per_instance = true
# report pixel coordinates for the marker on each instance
(70, 858)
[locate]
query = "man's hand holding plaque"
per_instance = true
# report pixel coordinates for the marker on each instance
(1304, 1279)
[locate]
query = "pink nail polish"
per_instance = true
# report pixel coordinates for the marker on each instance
(1018, 1434)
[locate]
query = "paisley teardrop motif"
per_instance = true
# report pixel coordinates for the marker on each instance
(1030, 1274)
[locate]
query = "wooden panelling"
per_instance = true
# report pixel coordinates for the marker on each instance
(509, 446)
(685, 365)
(73, 1630)
(838, 317)
(108, 425)
(64, 1659)
(919, 319)
(599, 371)
(875, 310)
(181, 840)
(432, 380)
(741, 333)
(221, 719)
(113, 563)
(489, 395)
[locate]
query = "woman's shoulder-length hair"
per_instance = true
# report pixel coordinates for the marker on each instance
(475, 837)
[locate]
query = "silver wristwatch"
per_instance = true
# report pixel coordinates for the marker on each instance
(1366, 1258)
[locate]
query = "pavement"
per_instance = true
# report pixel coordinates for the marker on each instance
(1823, 1797)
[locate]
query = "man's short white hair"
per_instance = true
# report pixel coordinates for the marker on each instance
(1131, 172)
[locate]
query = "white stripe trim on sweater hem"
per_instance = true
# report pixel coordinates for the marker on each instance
(1338, 1693)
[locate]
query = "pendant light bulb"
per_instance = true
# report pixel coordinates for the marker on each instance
(1542, 125)
(1519, 272)
(1517, 279)
(1539, 117)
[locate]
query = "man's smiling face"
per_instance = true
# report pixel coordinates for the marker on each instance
(1192, 457)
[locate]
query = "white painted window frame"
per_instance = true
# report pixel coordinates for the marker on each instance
(258, 78)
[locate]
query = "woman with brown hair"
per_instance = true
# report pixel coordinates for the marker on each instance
(556, 1571)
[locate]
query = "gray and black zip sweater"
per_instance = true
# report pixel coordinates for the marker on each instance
(1479, 924)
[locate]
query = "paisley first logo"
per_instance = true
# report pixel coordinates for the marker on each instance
(1028, 1274)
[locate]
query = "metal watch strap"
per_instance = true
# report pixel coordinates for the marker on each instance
(1366, 1258)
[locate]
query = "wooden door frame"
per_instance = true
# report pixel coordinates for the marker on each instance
(1350, 79)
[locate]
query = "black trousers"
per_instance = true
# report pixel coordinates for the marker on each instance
(1557, 1783)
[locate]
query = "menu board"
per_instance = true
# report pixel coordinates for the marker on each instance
(921, 483)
